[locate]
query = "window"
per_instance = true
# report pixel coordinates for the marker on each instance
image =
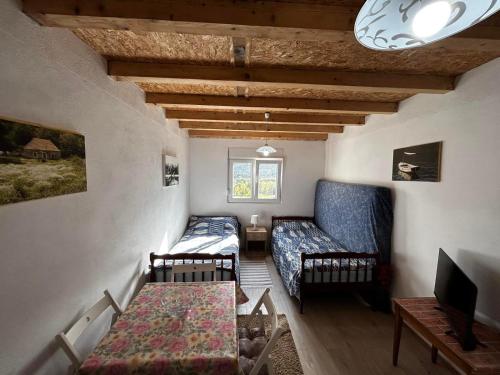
(242, 180)
(255, 180)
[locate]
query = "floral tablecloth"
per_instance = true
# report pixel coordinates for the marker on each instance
(172, 328)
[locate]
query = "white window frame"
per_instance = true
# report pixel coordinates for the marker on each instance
(255, 178)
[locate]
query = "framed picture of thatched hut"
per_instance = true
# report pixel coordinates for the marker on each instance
(417, 163)
(38, 162)
(170, 171)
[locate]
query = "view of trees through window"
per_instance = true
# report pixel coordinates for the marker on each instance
(268, 181)
(242, 180)
(267, 177)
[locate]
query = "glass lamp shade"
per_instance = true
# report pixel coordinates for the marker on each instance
(254, 220)
(266, 150)
(403, 24)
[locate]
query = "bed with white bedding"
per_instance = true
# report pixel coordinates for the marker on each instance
(207, 238)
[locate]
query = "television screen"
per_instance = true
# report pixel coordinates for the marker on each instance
(457, 295)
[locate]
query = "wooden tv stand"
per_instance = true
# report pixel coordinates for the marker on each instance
(421, 315)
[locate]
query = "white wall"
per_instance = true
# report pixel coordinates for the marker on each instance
(59, 254)
(461, 213)
(303, 166)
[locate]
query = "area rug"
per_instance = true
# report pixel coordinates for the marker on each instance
(254, 273)
(285, 358)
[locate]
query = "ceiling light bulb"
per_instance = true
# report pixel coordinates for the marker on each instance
(265, 153)
(431, 19)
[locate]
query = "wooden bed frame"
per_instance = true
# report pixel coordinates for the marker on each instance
(205, 258)
(329, 284)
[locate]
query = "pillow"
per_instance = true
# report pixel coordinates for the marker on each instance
(229, 224)
(246, 364)
(257, 332)
(258, 345)
(216, 227)
(243, 333)
(252, 348)
(297, 224)
(245, 347)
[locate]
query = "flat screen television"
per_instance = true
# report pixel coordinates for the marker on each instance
(457, 295)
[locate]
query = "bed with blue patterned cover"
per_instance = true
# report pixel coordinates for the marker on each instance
(342, 247)
(292, 238)
(207, 238)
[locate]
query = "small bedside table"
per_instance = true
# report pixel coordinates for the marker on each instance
(256, 239)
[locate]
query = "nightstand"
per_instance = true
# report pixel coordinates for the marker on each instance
(256, 239)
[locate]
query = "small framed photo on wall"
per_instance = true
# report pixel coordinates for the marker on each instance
(417, 163)
(170, 171)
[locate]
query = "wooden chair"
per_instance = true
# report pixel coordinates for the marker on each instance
(276, 332)
(67, 339)
(193, 268)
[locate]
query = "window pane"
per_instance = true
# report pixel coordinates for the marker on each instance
(242, 180)
(268, 181)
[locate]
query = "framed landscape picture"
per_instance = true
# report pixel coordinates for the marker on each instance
(38, 162)
(417, 163)
(170, 171)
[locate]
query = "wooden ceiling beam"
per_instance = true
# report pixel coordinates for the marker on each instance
(237, 18)
(280, 77)
(290, 128)
(276, 118)
(258, 135)
(186, 101)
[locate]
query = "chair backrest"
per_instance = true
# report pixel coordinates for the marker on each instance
(193, 268)
(266, 300)
(67, 339)
(276, 331)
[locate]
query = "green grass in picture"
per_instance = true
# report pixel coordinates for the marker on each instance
(37, 162)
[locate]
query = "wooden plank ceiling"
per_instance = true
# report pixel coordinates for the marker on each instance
(219, 65)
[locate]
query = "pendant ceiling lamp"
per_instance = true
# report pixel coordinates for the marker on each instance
(266, 150)
(401, 24)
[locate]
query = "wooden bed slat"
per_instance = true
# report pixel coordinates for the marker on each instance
(331, 270)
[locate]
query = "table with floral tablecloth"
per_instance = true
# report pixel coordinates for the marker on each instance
(172, 328)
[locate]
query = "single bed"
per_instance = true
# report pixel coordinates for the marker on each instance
(206, 239)
(292, 238)
(344, 246)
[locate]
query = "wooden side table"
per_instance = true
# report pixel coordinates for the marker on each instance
(421, 316)
(256, 239)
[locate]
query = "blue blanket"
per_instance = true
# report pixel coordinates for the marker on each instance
(359, 217)
(291, 238)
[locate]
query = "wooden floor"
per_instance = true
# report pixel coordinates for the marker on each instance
(340, 335)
